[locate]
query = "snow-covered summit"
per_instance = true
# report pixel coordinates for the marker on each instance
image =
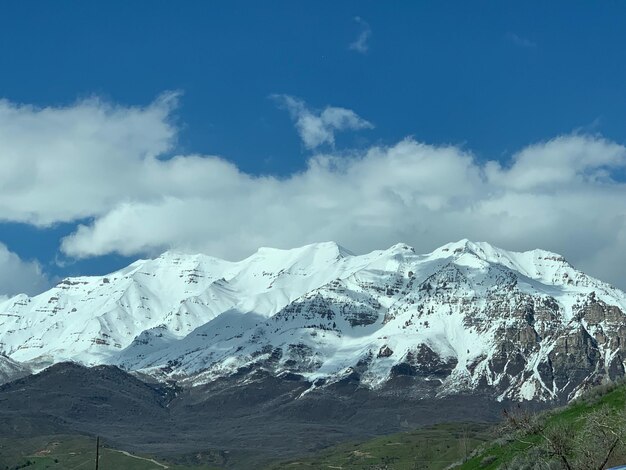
(466, 316)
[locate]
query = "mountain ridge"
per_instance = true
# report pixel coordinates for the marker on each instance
(467, 316)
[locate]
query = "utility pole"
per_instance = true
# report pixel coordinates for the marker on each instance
(97, 451)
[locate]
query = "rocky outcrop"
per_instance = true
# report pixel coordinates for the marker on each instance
(11, 370)
(424, 362)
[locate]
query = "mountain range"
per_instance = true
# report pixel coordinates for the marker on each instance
(467, 318)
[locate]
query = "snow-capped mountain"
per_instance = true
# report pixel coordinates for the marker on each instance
(466, 317)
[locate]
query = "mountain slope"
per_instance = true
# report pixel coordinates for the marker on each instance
(247, 420)
(11, 370)
(468, 317)
(526, 448)
(90, 318)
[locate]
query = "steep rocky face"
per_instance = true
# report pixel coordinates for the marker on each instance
(542, 354)
(466, 318)
(11, 370)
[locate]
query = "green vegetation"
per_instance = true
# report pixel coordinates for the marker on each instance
(431, 448)
(581, 435)
(74, 452)
(589, 433)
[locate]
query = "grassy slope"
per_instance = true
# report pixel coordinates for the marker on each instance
(501, 453)
(71, 452)
(429, 448)
(440, 446)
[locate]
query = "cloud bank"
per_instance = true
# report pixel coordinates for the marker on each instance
(103, 162)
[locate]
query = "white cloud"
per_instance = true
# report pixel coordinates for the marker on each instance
(563, 195)
(423, 195)
(59, 164)
(318, 127)
(18, 276)
(569, 161)
(360, 44)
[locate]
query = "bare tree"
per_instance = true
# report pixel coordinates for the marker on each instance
(604, 432)
(586, 444)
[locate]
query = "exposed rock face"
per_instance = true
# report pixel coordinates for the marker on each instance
(385, 351)
(466, 318)
(11, 370)
(538, 348)
(426, 363)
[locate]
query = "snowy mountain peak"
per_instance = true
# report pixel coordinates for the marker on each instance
(322, 251)
(466, 316)
(481, 250)
(400, 250)
(535, 264)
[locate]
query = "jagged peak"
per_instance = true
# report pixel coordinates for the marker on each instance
(479, 249)
(536, 263)
(490, 252)
(548, 255)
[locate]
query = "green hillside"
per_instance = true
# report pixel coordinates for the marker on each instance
(583, 430)
(430, 448)
(74, 452)
(571, 428)
(484, 447)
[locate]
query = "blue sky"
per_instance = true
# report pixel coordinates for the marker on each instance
(265, 89)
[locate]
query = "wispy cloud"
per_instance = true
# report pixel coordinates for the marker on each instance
(520, 41)
(318, 127)
(360, 44)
